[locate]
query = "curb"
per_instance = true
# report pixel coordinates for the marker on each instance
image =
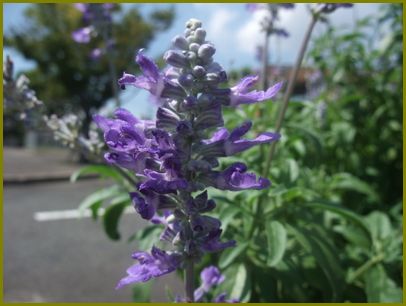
(41, 178)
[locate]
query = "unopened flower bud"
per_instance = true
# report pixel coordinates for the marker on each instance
(206, 51)
(212, 77)
(193, 24)
(180, 42)
(187, 32)
(186, 80)
(199, 71)
(200, 34)
(184, 128)
(191, 39)
(190, 102)
(191, 56)
(194, 47)
(176, 59)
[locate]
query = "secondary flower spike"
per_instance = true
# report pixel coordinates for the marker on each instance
(176, 156)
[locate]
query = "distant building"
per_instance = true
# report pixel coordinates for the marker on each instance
(282, 73)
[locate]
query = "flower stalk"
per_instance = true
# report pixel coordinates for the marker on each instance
(289, 90)
(176, 156)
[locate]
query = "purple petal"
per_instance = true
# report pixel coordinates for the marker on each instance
(144, 208)
(211, 276)
(82, 35)
(220, 134)
(221, 298)
(148, 67)
(245, 84)
(238, 97)
(82, 7)
(240, 131)
(102, 122)
(125, 115)
(240, 145)
(158, 264)
(235, 178)
(96, 53)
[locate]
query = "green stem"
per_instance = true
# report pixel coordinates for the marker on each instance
(189, 281)
(289, 91)
(366, 266)
(281, 115)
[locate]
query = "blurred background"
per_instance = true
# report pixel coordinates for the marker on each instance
(344, 117)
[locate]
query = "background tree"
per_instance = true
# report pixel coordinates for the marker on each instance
(65, 76)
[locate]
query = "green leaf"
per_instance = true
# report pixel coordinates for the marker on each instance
(276, 238)
(379, 224)
(99, 196)
(293, 169)
(309, 133)
(142, 292)
(146, 237)
(238, 282)
(345, 213)
(380, 288)
(227, 215)
(347, 181)
(325, 258)
(102, 170)
(228, 256)
(298, 193)
(111, 217)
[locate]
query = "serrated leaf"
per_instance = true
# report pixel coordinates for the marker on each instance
(228, 256)
(102, 170)
(111, 217)
(99, 196)
(276, 240)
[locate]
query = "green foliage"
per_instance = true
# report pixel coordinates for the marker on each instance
(330, 227)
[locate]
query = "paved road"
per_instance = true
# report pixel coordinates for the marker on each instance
(65, 260)
(41, 164)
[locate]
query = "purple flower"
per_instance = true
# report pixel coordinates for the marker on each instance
(236, 178)
(240, 95)
(210, 277)
(174, 156)
(223, 143)
(151, 265)
(83, 35)
(151, 80)
(221, 298)
(211, 242)
(96, 53)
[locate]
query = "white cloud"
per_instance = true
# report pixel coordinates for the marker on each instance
(249, 34)
(218, 25)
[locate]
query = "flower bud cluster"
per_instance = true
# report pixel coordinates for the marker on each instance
(17, 94)
(176, 156)
(66, 130)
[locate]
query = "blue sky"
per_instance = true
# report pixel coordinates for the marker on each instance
(233, 30)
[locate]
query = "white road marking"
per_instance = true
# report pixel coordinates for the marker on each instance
(71, 214)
